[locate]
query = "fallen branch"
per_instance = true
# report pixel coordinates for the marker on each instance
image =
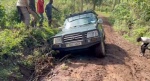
(65, 57)
(42, 66)
(32, 76)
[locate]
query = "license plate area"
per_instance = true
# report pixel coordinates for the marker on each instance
(72, 44)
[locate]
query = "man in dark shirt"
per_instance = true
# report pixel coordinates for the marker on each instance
(33, 13)
(48, 11)
(32, 5)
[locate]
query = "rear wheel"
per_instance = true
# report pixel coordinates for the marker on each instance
(100, 50)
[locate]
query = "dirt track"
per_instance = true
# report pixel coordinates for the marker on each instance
(122, 63)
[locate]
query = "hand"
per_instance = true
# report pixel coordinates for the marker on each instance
(29, 10)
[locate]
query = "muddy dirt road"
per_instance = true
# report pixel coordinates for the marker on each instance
(122, 63)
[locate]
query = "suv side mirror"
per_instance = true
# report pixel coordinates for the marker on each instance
(100, 21)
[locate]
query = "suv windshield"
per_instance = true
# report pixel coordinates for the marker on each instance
(80, 20)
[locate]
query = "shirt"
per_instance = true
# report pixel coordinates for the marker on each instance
(145, 39)
(32, 5)
(48, 9)
(40, 6)
(22, 3)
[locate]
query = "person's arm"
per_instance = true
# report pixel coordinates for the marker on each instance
(148, 40)
(55, 8)
(27, 4)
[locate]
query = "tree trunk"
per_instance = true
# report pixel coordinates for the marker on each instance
(94, 4)
(74, 9)
(81, 5)
(114, 4)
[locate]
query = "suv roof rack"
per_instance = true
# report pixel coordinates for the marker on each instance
(80, 13)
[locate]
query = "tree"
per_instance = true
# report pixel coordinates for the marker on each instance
(96, 2)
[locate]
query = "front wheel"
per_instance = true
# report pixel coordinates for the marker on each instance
(100, 49)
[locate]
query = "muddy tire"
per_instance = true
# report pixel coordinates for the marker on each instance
(100, 50)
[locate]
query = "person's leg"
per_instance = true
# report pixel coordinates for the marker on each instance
(143, 48)
(32, 7)
(26, 16)
(148, 46)
(35, 18)
(49, 20)
(20, 15)
(41, 19)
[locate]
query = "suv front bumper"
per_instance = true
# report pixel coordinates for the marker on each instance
(85, 44)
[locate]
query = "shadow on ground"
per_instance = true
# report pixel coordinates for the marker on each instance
(115, 55)
(86, 66)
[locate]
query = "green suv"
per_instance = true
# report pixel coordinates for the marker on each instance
(81, 31)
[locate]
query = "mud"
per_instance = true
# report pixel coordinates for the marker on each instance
(122, 63)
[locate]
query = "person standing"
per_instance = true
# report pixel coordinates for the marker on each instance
(23, 5)
(32, 5)
(48, 11)
(145, 42)
(40, 10)
(33, 13)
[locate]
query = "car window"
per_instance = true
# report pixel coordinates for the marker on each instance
(80, 20)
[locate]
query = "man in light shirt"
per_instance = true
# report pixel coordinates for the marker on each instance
(23, 5)
(145, 44)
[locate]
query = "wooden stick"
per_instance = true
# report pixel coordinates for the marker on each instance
(66, 56)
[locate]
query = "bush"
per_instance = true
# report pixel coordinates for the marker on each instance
(12, 16)
(2, 16)
(121, 11)
(8, 40)
(141, 31)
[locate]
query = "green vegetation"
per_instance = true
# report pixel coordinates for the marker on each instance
(130, 18)
(18, 44)
(26, 46)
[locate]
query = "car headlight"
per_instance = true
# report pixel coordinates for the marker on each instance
(92, 34)
(57, 40)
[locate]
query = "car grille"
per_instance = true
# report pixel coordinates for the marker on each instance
(85, 35)
(72, 37)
